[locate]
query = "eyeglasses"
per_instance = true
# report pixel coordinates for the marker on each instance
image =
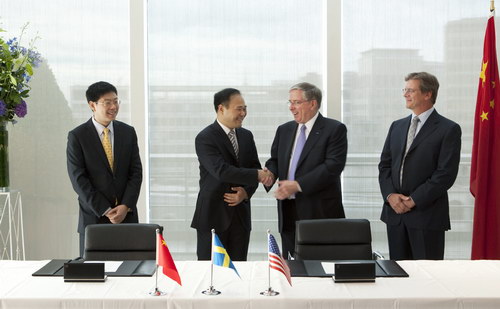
(296, 103)
(109, 103)
(409, 90)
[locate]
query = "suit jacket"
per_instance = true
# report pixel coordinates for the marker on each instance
(219, 171)
(98, 187)
(318, 171)
(430, 169)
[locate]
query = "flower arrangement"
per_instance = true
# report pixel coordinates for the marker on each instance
(16, 69)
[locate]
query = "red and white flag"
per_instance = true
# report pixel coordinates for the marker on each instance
(276, 260)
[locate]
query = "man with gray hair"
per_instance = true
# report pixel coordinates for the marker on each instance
(308, 155)
(418, 165)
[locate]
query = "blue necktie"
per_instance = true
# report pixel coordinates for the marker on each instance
(296, 154)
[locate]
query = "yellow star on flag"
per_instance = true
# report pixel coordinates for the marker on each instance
(493, 84)
(492, 103)
(484, 116)
(482, 75)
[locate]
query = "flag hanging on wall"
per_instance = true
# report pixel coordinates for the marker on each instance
(485, 163)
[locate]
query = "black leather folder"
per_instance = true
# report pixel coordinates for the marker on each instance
(129, 268)
(391, 268)
(313, 268)
(52, 268)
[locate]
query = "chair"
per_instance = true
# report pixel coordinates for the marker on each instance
(333, 239)
(118, 242)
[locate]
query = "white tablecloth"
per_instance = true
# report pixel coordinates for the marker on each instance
(432, 284)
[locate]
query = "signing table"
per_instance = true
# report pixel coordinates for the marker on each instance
(432, 284)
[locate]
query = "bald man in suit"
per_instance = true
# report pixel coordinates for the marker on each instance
(229, 175)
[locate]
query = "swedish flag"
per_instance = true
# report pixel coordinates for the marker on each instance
(220, 256)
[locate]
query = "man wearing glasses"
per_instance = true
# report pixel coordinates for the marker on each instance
(419, 163)
(103, 163)
(308, 155)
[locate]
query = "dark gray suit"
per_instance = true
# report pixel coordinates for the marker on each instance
(219, 171)
(318, 172)
(430, 169)
(97, 186)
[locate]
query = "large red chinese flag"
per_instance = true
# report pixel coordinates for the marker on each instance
(164, 259)
(485, 164)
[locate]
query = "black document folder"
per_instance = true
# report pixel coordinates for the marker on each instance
(129, 268)
(313, 268)
(52, 268)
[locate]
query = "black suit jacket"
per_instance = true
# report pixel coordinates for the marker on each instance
(430, 169)
(97, 186)
(219, 171)
(318, 171)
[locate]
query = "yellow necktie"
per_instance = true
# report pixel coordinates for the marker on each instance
(106, 144)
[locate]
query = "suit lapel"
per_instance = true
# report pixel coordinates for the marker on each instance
(117, 144)
(97, 144)
(289, 145)
(404, 136)
(222, 136)
(428, 127)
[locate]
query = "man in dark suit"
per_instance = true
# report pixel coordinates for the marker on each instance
(419, 163)
(229, 175)
(308, 155)
(103, 163)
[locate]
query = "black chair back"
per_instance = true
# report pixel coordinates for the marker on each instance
(333, 239)
(119, 242)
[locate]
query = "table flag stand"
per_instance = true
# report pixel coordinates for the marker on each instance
(269, 291)
(156, 291)
(211, 290)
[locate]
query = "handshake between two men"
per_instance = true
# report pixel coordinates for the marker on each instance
(285, 188)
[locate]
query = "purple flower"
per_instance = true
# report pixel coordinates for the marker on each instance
(3, 108)
(21, 109)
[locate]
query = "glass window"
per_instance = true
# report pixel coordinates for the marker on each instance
(81, 42)
(383, 41)
(197, 48)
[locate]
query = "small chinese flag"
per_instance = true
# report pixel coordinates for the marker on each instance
(164, 259)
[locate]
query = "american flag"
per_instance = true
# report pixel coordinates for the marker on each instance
(276, 261)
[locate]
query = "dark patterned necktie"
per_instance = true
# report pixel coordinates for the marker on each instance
(232, 138)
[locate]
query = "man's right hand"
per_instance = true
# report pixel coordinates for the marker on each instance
(266, 177)
(399, 203)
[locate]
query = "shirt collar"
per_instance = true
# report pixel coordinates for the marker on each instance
(226, 129)
(423, 116)
(100, 128)
(309, 124)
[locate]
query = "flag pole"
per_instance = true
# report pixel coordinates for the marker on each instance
(268, 263)
(269, 291)
(211, 290)
(492, 5)
(156, 291)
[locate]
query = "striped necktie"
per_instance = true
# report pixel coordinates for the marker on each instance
(409, 141)
(232, 138)
(106, 144)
